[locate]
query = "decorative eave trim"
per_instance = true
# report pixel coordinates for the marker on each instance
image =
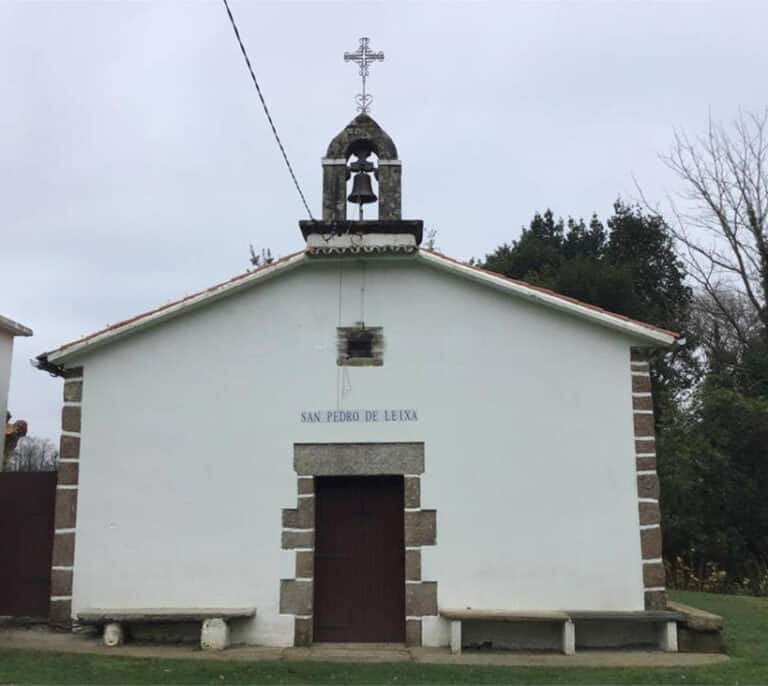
(654, 336)
(173, 309)
(14, 328)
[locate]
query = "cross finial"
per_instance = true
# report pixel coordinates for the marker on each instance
(364, 57)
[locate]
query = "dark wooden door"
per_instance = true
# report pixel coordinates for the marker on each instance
(359, 559)
(26, 541)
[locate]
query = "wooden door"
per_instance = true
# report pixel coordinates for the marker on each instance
(359, 560)
(26, 540)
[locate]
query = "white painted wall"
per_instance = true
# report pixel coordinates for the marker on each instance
(526, 415)
(6, 353)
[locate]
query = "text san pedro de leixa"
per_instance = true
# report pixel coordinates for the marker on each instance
(358, 416)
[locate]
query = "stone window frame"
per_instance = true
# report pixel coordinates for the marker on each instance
(377, 346)
(312, 460)
(648, 491)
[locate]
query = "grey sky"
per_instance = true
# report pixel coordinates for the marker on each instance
(136, 164)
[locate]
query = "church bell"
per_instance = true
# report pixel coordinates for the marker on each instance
(362, 191)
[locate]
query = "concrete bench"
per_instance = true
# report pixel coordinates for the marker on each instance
(456, 617)
(666, 620)
(214, 632)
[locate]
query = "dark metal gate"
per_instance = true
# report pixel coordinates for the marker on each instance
(26, 540)
(359, 559)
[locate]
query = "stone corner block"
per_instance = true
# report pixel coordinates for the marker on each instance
(302, 631)
(650, 543)
(421, 599)
(654, 574)
(63, 549)
(60, 613)
(295, 597)
(412, 487)
(413, 633)
(297, 539)
(655, 600)
(73, 391)
(70, 418)
(301, 517)
(421, 528)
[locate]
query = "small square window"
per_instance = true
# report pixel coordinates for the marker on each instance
(360, 346)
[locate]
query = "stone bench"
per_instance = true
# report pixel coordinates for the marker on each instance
(456, 617)
(214, 632)
(567, 620)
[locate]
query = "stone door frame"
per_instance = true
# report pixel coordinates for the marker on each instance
(298, 533)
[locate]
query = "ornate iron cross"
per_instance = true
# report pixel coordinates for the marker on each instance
(363, 56)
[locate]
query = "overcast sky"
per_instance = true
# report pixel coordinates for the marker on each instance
(136, 164)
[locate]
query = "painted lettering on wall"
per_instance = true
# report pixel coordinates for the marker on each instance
(358, 416)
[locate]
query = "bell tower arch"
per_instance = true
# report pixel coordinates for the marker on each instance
(361, 135)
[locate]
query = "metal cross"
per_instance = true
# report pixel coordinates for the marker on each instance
(364, 57)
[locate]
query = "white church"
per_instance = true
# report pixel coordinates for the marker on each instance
(364, 441)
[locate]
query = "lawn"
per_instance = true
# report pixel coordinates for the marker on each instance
(746, 621)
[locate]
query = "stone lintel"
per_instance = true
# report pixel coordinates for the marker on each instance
(358, 459)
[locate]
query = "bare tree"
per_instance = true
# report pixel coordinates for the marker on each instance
(33, 454)
(722, 220)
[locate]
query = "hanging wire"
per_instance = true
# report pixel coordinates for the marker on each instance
(266, 109)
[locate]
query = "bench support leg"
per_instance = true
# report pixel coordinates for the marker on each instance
(456, 637)
(214, 634)
(668, 642)
(113, 634)
(569, 637)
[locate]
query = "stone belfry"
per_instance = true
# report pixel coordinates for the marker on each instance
(347, 164)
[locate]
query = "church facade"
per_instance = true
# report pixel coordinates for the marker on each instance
(357, 438)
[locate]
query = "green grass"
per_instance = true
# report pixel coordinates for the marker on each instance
(746, 635)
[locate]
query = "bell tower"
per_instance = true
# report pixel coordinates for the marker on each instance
(348, 157)
(360, 139)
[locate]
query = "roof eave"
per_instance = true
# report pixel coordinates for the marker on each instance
(14, 328)
(652, 336)
(111, 334)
